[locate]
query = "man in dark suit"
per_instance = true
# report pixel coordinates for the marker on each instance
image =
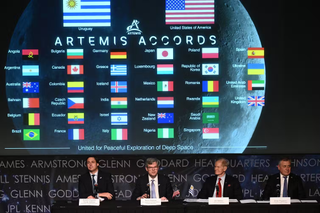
(221, 185)
(152, 184)
(95, 183)
(284, 184)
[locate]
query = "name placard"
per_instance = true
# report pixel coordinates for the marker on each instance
(89, 202)
(280, 200)
(150, 202)
(218, 201)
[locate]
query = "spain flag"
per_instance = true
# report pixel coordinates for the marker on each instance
(255, 52)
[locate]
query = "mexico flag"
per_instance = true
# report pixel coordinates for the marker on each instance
(119, 134)
(75, 70)
(165, 86)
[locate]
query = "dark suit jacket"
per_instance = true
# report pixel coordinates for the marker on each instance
(295, 187)
(165, 188)
(104, 184)
(231, 188)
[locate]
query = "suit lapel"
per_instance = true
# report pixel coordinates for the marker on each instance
(290, 185)
(225, 185)
(160, 182)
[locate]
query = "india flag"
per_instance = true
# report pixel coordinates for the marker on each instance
(165, 133)
(119, 103)
(119, 134)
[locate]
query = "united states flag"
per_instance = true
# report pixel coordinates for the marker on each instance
(189, 12)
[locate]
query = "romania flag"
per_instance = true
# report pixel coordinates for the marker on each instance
(210, 86)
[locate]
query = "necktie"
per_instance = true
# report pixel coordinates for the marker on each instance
(220, 188)
(153, 189)
(285, 187)
(93, 183)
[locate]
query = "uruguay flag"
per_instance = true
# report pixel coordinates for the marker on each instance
(86, 13)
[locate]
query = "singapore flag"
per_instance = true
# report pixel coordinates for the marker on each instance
(165, 53)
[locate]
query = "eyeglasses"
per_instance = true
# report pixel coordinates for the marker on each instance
(153, 167)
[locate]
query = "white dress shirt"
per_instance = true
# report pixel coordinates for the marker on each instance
(223, 178)
(156, 185)
(282, 182)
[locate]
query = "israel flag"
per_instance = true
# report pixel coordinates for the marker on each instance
(86, 13)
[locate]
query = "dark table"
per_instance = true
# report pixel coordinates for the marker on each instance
(180, 207)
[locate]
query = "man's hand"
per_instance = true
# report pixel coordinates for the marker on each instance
(106, 194)
(164, 198)
(91, 197)
(175, 193)
(143, 196)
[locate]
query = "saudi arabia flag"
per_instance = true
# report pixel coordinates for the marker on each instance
(165, 133)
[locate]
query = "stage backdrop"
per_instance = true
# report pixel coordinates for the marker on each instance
(31, 184)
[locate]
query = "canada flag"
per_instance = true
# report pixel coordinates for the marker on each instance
(75, 69)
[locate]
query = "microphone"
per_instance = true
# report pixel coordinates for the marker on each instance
(96, 190)
(217, 190)
(148, 189)
(278, 190)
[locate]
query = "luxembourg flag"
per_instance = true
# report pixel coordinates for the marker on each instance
(75, 103)
(76, 134)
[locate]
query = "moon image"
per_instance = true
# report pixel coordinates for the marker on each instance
(41, 27)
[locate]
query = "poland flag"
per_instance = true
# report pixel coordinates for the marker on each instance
(165, 53)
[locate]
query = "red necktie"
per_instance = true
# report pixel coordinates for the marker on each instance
(220, 188)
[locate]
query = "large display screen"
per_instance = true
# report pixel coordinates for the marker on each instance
(133, 77)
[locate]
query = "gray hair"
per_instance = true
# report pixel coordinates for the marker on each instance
(224, 162)
(284, 159)
(150, 161)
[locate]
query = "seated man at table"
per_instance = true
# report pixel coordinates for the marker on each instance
(152, 184)
(284, 184)
(95, 182)
(221, 185)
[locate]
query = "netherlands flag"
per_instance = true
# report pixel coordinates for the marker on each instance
(76, 134)
(165, 102)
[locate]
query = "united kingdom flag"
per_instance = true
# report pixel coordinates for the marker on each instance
(256, 101)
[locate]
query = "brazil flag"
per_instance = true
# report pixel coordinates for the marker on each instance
(31, 134)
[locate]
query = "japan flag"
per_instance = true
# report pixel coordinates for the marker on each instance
(164, 53)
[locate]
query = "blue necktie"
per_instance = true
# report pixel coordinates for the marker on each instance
(285, 187)
(153, 190)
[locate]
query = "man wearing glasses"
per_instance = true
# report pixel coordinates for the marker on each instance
(152, 184)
